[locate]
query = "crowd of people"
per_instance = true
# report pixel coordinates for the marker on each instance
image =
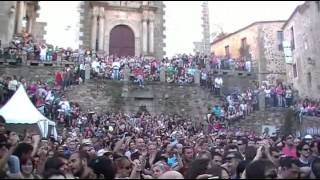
(117, 145)
(120, 146)
(178, 69)
(309, 107)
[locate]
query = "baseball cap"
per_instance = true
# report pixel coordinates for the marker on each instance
(308, 136)
(101, 152)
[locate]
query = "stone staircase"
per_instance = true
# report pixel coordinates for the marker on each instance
(255, 120)
(157, 97)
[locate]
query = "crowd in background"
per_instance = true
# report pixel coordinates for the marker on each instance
(117, 145)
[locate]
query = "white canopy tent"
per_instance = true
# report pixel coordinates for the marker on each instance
(20, 110)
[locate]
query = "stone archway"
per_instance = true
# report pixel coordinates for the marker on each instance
(122, 41)
(133, 25)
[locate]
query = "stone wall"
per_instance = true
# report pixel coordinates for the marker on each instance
(276, 117)
(127, 13)
(271, 55)
(234, 43)
(261, 38)
(7, 22)
(159, 24)
(38, 32)
(29, 72)
(85, 23)
(306, 27)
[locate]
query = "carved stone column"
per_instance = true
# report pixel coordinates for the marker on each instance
(94, 28)
(21, 14)
(151, 36)
(144, 36)
(101, 29)
(30, 24)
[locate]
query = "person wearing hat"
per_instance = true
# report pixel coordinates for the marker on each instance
(307, 138)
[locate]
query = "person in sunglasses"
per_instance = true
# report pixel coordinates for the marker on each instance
(304, 152)
(275, 155)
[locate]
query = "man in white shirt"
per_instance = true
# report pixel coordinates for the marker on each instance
(248, 66)
(268, 96)
(218, 83)
(66, 110)
(204, 78)
(43, 52)
(12, 86)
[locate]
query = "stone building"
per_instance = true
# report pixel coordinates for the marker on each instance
(123, 27)
(206, 28)
(260, 42)
(302, 31)
(203, 47)
(16, 17)
(39, 31)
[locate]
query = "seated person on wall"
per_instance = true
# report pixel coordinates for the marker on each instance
(182, 81)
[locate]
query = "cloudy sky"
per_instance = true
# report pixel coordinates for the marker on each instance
(183, 20)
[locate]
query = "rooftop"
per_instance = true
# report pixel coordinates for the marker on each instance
(246, 27)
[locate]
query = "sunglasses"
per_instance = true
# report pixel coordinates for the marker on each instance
(306, 149)
(276, 157)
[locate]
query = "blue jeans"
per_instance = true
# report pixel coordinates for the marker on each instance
(141, 82)
(279, 98)
(49, 58)
(115, 73)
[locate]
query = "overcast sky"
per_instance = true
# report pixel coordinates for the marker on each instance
(183, 20)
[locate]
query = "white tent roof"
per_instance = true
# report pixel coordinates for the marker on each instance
(20, 110)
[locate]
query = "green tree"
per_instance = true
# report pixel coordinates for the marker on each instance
(290, 123)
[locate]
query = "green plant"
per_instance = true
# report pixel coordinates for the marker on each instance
(290, 124)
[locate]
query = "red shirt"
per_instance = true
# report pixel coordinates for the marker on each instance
(290, 151)
(58, 77)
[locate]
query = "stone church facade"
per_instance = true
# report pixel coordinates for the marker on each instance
(17, 17)
(123, 28)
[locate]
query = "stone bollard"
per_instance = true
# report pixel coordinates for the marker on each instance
(126, 73)
(262, 101)
(87, 71)
(162, 74)
(59, 57)
(197, 77)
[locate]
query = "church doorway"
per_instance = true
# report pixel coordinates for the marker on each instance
(121, 41)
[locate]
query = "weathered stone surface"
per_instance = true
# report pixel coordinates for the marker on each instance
(197, 77)
(162, 74)
(306, 29)
(263, 47)
(129, 13)
(262, 101)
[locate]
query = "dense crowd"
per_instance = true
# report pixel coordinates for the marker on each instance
(178, 69)
(117, 145)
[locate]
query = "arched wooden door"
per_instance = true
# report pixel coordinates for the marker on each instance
(121, 41)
